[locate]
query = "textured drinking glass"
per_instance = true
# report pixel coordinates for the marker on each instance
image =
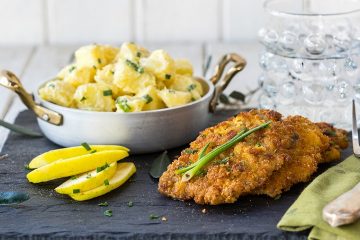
(311, 58)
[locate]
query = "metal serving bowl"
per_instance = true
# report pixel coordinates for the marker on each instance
(141, 132)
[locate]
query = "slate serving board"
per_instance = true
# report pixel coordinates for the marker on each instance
(54, 216)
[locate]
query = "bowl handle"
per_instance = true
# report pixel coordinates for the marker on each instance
(12, 82)
(239, 64)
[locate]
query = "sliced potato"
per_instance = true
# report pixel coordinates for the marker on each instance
(173, 98)
(152, 100)
(77, 75)
(129, 104)
(75, 165)
(132, 52)
(58, 92)
(123, 173)
(95, 55)
(64, 153)
(94, 97)
(183, 67)
(160, 64)
(88, 181)
(186, 83)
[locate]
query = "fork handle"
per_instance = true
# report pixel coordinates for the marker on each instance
(345, 209)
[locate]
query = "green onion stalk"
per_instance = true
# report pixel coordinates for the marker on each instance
(193, 169)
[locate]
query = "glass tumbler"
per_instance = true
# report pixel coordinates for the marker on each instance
(310, 63)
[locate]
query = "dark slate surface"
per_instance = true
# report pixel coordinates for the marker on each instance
(50, 215)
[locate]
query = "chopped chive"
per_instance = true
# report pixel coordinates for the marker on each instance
(73, 178)
(130, 204)
(86, 146)
(258, 144)
(83, 99)
(102, 168)
(103, 204)
(94, 67)
(26, 166)
(167, 76)
(191, 87)
(93, 151)
(135, 66)
(112, 72)
(107, 92)
(72, 68)
(148, 98)
(76, 190)
(108, 213)
(106, 182)
(190, 151)
(88, 176)
(123, 105)
(52, 85)
(330, 133)
(138, 54)
(223, 161)
(153, 217)
(99, 60)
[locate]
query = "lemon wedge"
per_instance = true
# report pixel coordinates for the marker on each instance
(58, 154)
(123, 172)
(88, 180)
(75, 165)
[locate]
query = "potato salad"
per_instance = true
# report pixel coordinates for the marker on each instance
(126, 79)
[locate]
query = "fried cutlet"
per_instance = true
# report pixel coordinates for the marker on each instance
(268, 161)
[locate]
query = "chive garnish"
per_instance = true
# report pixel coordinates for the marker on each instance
(52, 85)
(26, 166)
(83, 99)
(191, 87)
(123, 104)
(190, 151)
(94, 67)
(76, 190)
(93, 151)
(138, 54)
(197, 166)
(153, 216)
(112, 72)
(72, 68)
(86, 146)
(108, 213)
(103, 204)
(201, 155)
(135, 66)
(107, 92)
(88, 176)
(73, 178)
(130, 204)
(102, 168)
(106, 182)
(167, 76)
(99, 60)
(148, 98)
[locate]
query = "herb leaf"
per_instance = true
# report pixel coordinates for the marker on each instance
(20, 129)
(76, 190)
(148, 98)
(238, 96)
(106, 182)
(135, 66)
(130, 204)
(103, 204)
(86, 146)
(167, 76)
(108, 213)
(153, 217)
(224, 99)
(13, 197)
(159, 165)
(123, 104)
(107, 92)
(191, 87)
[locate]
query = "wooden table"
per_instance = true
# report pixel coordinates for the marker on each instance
(36, 64)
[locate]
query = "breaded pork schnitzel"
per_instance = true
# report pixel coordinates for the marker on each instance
(261, 163)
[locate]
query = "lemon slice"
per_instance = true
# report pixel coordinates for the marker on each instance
(75, 165)
(123, 172)
(63, 153)
(88, 180)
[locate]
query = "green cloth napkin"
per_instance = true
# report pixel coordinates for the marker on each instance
(306, 212)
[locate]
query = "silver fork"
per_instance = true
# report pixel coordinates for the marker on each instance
(355, 133)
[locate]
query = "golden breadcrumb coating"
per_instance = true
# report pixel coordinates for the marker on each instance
(268, 161)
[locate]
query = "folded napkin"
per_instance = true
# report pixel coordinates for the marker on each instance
(306, 212)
